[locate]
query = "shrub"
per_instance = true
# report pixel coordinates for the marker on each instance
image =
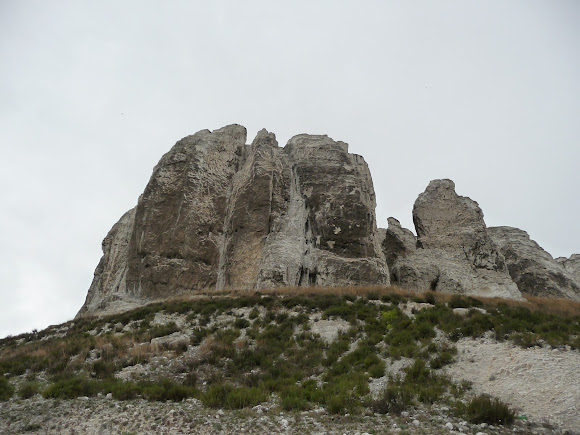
(394, 399)
(484, 409)
(190, 380)
(442, 359)
(28, 389)
(198, 335)
(166, 389)
(125, 390)
(254, 314)
(163, 330)
(342, 393)
(222, 395)
(430, 298)
(294, 402)
(103, 369)
(71, 388)
(241, 323)
(6, 389)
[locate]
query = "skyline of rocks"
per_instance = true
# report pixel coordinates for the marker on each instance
(218, 213)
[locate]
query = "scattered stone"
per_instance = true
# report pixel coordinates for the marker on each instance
(329, 329)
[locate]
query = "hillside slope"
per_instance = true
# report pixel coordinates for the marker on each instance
(375, 360)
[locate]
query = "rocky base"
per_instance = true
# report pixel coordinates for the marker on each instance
(104, 416)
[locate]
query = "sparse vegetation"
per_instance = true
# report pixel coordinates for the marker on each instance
(250, 348)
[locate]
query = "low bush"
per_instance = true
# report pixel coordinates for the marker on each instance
(485, 409)
(254, 314)
(6, 389)
(241, 323)
(198, 334)
(103, 369)
(165, 389)
(394, 399)
(124, 390)
(223, 395)
(71, 388)
(162, 330)
(28, 389)
(442, 359)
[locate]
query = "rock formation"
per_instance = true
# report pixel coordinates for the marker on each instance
(108, 291)
(218, 214)
(453, 251)
(572, 265)
(533, 269)
(397, 241)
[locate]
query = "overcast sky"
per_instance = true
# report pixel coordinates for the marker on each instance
(92, 93)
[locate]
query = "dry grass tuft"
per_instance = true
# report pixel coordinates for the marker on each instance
(557, 306)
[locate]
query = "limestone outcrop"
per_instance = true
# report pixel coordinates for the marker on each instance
(532, 268)
(397, 241)
(108, 291)
(220, 214)
(572, 265)
(453, 251)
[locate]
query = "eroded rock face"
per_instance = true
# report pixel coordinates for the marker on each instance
(445, 220)
(533, 269)
(218, 214)
(572, 265)
(454, 252)
(397, 241)
(109, 283)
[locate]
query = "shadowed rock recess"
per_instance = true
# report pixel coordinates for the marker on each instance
(220, 214)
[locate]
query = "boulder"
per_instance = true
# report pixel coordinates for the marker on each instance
(532, 268)
(220, 214)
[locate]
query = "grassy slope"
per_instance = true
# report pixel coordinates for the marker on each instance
(236, 350)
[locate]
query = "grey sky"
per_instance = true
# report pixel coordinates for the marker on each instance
(93, 93)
